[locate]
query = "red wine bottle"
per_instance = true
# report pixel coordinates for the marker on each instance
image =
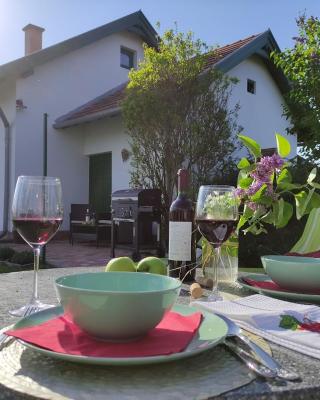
(182, 249)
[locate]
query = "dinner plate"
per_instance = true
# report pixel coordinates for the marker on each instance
(300, 297)
(212, 331)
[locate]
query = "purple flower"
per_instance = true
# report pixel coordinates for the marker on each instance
(240, 192)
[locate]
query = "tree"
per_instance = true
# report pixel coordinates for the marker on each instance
(177, 114)
(301, 64)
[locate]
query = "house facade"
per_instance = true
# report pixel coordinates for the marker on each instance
(79, 83)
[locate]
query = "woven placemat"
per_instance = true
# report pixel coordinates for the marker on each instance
(24, 371)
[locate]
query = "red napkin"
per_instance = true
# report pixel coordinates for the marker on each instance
(171, 335)
(270, 285)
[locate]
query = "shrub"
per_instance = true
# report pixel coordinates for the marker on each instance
(6, 253)
(22, 258)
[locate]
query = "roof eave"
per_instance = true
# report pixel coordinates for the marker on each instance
(87, 118)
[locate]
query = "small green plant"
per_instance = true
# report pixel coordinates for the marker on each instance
(265, 185)
(22, 258)
(6, 253)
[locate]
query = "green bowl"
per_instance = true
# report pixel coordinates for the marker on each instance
(117, 306)
(301, 274)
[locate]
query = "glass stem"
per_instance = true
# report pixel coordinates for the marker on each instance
(215, 271)
(36, 253)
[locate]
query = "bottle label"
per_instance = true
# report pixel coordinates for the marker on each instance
(180, 241)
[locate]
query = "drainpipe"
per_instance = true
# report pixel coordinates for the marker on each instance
(6, 173)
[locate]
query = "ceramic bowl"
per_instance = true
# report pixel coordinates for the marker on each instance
(117, 306)
(301, 274)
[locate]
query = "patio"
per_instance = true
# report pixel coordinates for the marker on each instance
(60, 253)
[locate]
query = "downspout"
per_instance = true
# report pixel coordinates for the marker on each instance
(6, 173)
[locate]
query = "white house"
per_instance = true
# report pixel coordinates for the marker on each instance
(79, 83)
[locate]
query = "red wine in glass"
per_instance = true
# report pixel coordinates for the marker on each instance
(216, 218)
(216, 231)
(37, 231)
(37, 212)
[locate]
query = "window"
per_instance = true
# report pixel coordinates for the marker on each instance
(251, 86)
(126, 58)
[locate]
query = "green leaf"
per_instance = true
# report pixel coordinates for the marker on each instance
(279, 215)
(251, 145)
(258, 195)
(244, 183)
(284, 176)
(287, 213)
(269, 217)
(243, 163)
(315, 185)
(302, 199)
(313, 203)
(283, 146)
(312, 175)
(242, 175)
(247, 212)
(242, 221)
(289, 322)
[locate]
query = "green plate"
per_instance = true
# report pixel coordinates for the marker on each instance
(212, 331)
(299, 297)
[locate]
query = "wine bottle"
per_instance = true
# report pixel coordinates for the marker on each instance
(182, 252)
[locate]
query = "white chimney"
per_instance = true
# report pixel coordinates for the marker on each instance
(32, 38)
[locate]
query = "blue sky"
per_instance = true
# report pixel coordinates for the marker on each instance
(214, 21)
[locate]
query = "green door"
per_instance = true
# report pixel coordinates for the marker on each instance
(100, 177)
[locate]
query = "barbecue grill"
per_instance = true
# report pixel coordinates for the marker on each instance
(136, 221)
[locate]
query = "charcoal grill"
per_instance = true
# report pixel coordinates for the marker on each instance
(136, 221)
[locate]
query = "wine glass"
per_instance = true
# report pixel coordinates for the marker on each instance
(216, 218)
(37, 213)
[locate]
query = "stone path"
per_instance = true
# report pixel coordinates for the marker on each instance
(81, 254)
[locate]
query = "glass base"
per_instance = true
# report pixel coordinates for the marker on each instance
(213, 296)
(30, 308)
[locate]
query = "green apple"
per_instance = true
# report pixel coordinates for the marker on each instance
(153, 265)
(121, 264)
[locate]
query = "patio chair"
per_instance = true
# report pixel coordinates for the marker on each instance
(310, 239)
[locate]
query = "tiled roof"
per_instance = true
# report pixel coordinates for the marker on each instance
(222, 52)
(111, 100)
(98, 106)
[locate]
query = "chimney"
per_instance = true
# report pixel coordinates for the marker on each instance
(32, 38)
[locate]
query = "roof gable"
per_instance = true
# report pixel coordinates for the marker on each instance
(136, 23)
(223, 58)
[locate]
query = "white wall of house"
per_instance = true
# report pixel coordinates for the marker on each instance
(260, 114)
(108, 135)
(56, 88)
(8, 105)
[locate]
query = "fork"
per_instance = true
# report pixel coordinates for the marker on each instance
(6, 340)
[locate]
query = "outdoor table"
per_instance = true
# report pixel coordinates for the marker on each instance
(15, 290)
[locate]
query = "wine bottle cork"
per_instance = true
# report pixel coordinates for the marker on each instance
(196, 290)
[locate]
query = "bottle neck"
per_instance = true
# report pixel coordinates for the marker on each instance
(183, 182)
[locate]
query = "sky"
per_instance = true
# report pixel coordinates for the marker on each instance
(216, 22)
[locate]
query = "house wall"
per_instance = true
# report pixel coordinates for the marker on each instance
(56, 88)
(108, 135)
(260, 114)
(8, 105)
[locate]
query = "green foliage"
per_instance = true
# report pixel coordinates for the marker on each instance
(289, 322)
(251, 145)
(6, 253)
(266, 187)
(177, 114)
(301, 65)
(22, 258)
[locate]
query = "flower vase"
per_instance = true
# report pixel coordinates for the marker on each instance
(227, 264)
